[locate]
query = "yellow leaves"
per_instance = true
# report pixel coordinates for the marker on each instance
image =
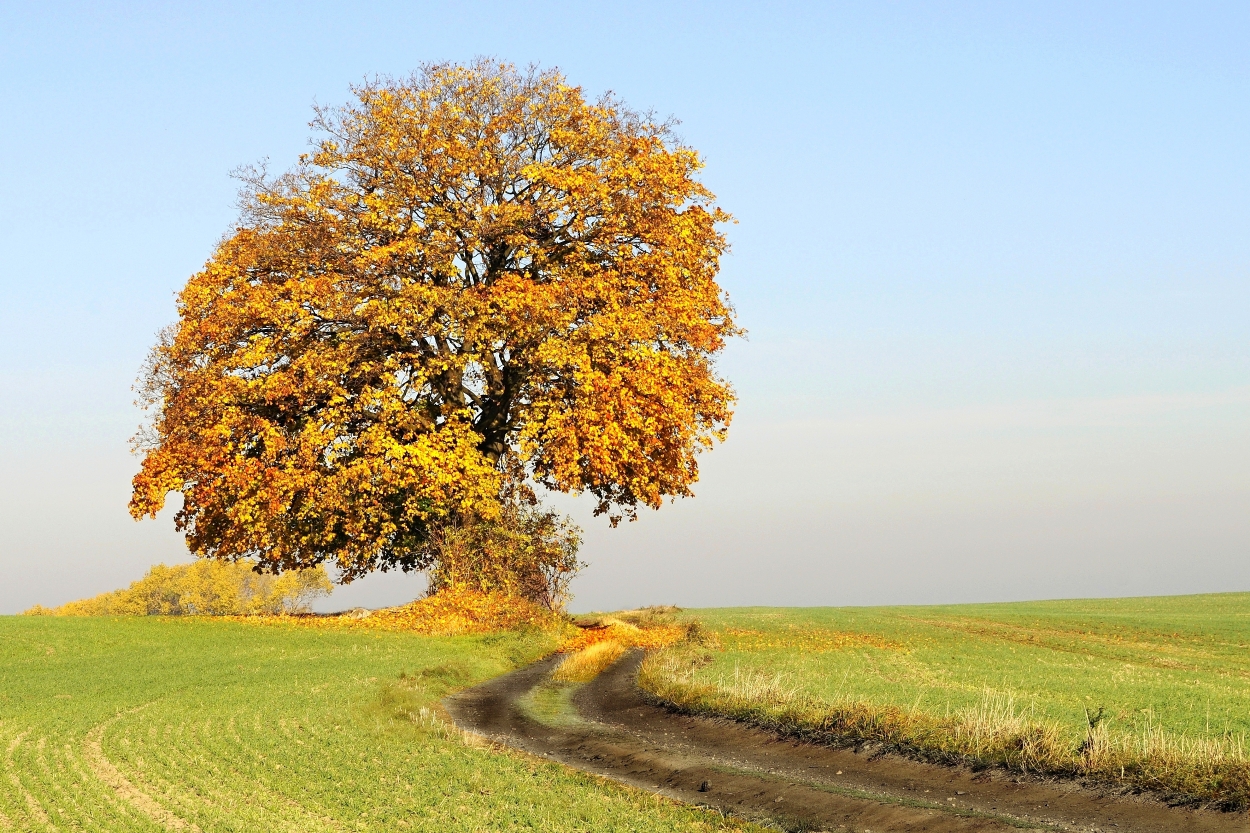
(615, 631)
(586, 664)
(479, 271)
(205, 588)
(453, 611)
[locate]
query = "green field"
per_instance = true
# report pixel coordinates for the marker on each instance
(1164, 681)
(154, 723)
(1182, 662)
(150, 724)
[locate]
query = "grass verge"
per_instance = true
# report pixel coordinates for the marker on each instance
(1055, 689)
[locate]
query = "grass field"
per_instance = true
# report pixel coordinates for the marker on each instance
(146, 724)
(1165, 683)
(152, 723)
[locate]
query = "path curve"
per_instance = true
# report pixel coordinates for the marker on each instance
(753, 774)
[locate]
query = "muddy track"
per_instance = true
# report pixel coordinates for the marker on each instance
(752, 774)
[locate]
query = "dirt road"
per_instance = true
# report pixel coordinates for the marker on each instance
(800, 787)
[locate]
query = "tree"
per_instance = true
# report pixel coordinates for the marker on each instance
(478, 279)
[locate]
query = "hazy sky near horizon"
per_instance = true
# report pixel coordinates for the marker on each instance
(994, 259)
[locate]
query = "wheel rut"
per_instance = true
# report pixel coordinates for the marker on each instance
(756, 775)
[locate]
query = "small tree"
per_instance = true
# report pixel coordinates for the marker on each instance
(478, 279)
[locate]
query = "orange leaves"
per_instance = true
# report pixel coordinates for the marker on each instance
(609, 629)
(459, 611)
(451, 612)
(478, 277)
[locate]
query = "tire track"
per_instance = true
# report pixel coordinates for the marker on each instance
(104, 770)
(750, 773)
(33, 808)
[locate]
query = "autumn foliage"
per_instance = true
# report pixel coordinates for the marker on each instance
(479, 279)
(598, 640)
(453, 611)
(206, 588)
(524, 551)
(646, 628)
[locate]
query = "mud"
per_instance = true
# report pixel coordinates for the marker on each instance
(755, 775)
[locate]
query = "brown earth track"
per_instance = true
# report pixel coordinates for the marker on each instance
(756, 775)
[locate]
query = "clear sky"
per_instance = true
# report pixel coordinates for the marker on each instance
(994, 259)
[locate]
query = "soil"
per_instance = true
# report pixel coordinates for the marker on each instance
(753, 774)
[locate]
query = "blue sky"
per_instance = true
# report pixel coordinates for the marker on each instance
(993, 259)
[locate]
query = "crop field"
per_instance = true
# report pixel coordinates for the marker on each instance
(153, 723)
(1151, 692)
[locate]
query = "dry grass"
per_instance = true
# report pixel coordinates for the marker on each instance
(600, 640)
(996, 732)
(649, 627)
(586, 664)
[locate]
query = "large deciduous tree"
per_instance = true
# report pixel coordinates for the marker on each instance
(477, 279)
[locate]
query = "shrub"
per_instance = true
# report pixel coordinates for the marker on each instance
(206, 587)
(527, 551)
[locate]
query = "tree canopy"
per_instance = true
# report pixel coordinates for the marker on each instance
(477, 279)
